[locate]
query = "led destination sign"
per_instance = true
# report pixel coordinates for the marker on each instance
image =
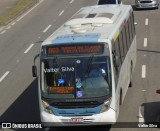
(75, 49)
(61, 90)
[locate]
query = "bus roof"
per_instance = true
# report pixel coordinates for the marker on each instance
(91, 24)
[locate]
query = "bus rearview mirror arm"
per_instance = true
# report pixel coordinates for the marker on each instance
(34, 67)
(34, 71)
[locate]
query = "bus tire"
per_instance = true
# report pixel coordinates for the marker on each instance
(131, 77)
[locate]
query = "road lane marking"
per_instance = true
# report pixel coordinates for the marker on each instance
(13, 23)
(146, 21)
(45, 30)
(30, 10)
(29, 48)
(71, 1)
(141, 114)
(8, 27)
(4, 76)
(3, 31)
(61, 13)
(145, 42)
(143, 71)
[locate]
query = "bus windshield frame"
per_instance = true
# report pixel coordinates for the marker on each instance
(72, 66)
(95, 76)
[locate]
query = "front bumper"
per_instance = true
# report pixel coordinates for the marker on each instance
(106, 118)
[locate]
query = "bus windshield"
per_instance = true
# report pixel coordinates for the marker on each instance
(81, 77)
(102, 2)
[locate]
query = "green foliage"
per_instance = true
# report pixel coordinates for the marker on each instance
(20, 7)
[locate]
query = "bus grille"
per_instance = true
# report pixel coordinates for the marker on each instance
(72, 105)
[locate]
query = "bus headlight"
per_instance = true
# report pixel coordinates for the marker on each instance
(46, 107)
(106, 105)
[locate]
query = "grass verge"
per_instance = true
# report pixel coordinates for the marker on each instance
(20, 7)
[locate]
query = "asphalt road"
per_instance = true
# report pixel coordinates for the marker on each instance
(19, 44)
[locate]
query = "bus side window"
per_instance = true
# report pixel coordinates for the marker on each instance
(132, 23)
(114, 60)
(124, 41)
(116, 74)
(121, 45)
(115, 67)
(130, 30)
(116, 56)
(127, 35)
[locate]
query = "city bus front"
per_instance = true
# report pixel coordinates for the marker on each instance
(75, 85)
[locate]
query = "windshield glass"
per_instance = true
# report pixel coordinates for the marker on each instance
(82, 77)
(101, 2)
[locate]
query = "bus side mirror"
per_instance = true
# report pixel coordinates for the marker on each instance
(34, 71)
(158, 91)
(34, 68)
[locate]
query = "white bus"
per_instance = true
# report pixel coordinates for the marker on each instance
(86, 67)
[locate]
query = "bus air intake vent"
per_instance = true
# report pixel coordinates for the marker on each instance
(91, 15)
(95, 20)
(108, 15)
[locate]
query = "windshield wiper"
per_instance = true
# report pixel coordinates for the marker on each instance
(89, 65)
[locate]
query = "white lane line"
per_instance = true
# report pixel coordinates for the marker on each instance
(1, 28)
(143, 71)
(29, 48)
(61, 13)
(30, 10)
(71, 1)
(8, 27)
(141, 114)
(3, 31)
(45, 30)
(13, 23)
(145, 42)
(5, 74)
(146, 21)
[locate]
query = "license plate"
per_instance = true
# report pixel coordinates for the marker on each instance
(146, 5)
(77, 120)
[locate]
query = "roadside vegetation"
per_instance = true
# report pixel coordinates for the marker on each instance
(20, 7)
